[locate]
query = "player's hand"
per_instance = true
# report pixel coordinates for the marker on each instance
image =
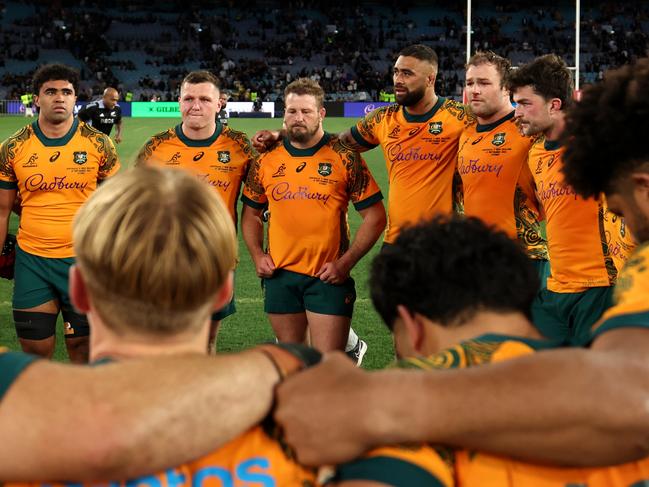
(335, 272)
(265, 139)
(322, 411)
(118, 139)
(264, 266)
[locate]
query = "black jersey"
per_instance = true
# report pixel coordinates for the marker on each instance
(100, 117)
(222, 117)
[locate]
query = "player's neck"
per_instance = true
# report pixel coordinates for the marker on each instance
(554, 132)
(317, 137)
(505, 110)
(483, 323)
(424, 105)
(199, 134)
(106, 344)
(55, 130)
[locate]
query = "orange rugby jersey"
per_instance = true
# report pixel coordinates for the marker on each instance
(308, 192)
(425, 465)
(630, 301)
(498, 186)
(253, 458)
(579, 255)
(54, 178)
(619, 239)
(222, 161)
(420, 153)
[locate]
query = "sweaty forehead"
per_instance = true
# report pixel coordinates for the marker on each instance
(57, 84)
(293, 100)
(199, 89)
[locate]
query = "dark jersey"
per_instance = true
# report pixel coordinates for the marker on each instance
(223, 117)
(100, 117)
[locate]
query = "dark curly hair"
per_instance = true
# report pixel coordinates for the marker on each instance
(55, 72)
(548, 76)
(451, 268)
(605, 131)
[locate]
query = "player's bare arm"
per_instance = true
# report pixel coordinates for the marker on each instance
(529, 408)
(253, 234)
(119, 433)
(118, 132)
(7, 200)
(369, 231)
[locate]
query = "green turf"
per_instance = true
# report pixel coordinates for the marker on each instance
(249, 324)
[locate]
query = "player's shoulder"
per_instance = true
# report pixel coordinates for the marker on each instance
(160, 137)
(13, 143)
(458, 111)
(89, 132)
(335, 143)
(383, 112)
(237, 136)
(91, 105)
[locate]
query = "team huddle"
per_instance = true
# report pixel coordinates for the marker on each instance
(541, 333)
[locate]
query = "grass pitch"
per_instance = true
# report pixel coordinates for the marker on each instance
(249, 325)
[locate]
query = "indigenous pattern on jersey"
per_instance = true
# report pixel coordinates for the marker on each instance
(475, 469)
(619, 239)
(253, 458)
(222, 161)
(420, 152)
(100, 117)
(426, 465)
(54, 178)
(497, 184)
(308, 192)
(11, 365)
(579, 253)
(630, 299)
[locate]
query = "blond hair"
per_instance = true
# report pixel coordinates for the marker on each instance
(154, 246)
(306, 86)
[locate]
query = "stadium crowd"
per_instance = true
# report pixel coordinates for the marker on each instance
(346, 48)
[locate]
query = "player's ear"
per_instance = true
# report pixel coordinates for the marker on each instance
(78, 290)
(323, 112)
(414, 327)
(641, 190)
(36, 101)
(224, 295)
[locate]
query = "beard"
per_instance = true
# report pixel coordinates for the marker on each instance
(301, 133)
(410, 98)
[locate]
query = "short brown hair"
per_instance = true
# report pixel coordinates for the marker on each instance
(154, 247)
(502, 65)
(202, 76)
(306, 86)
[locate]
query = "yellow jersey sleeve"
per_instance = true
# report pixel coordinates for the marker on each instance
(9, 151)
(631, 305)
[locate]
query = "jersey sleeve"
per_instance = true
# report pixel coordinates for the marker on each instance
(362, 188)
(421, 466)
(109, 163)
(12, 364)
(631, 306)
(85, 113)
(365, 132)
(8, 178)
(254, 194)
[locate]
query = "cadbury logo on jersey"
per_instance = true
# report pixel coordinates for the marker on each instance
(198, 156)
(435, 128)
(499, 139)
(80, 157)
(223, 156)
